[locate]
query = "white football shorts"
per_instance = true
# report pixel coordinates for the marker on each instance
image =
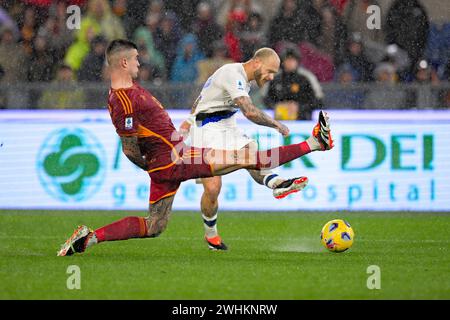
(220, 135)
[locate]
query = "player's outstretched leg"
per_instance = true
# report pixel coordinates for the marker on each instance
(76, 242)
(224, 162)
(123, 229)
(320, 140)
(321, 136)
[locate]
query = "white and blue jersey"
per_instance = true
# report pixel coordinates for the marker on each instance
(227, 83)
(219, 91)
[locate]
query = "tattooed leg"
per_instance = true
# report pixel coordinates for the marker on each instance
(257, 175)
(159, 213)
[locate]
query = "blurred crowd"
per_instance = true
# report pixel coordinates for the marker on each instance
(186, 41)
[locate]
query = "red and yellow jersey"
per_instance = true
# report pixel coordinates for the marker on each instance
(135, 112)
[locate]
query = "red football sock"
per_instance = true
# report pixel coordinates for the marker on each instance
(276, 157)
(126, 228)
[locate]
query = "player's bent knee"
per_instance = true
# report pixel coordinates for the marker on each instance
(156, 227)
(212, 192)
(155, 232)
(154, 235)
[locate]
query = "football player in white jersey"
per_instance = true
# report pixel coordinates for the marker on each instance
(212, 124)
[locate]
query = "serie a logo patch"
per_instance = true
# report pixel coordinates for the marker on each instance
(240, 85)
(128, 123)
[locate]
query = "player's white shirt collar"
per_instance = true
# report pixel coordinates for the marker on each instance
(243, 71)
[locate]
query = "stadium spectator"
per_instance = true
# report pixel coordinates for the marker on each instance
(438, 45)
(78, 50)
(233, 29)
(145, 36)
(188, 55)
(166, 39)
(317, 62)
(253, 36)
(351, 97)
(12, 57)
(63, 94)
(55, 31)
(310, 22)
(156, 9)
(119, 8)
(339, 5)
(206, 29)
(135, 16)
(317, 21)
(7, 21)
(111, 26)
(99, 20)
(185, 11)
(184, 70)
(296, 21)
(229, 6)
(28, 30)
(40, 66)
(346, 74)
(333, 34)
(207, 67)
(286, 26)
(155, 73)
(407, 25)
(355, 18)
(385, 72)
(355, 56)
(294, 93)
(426, 75)
(401, 61)
(390, 97)
(92, 66)
(148, 73)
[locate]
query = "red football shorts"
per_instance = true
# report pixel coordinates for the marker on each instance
(191, 165)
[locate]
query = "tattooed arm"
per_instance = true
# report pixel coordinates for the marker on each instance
(257, 116)
(131, 149)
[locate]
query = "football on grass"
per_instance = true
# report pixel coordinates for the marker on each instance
(337, 235)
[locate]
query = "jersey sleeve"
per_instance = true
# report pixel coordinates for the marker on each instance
(235, 84)
(124, 115)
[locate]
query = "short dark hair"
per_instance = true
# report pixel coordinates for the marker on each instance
(118, 45)
(63, 66)
(291, 52)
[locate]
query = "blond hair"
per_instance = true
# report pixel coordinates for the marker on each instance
(265, 53)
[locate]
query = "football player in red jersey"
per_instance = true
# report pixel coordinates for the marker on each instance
(151, 142)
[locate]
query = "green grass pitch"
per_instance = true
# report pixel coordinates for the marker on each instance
(273, 255)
